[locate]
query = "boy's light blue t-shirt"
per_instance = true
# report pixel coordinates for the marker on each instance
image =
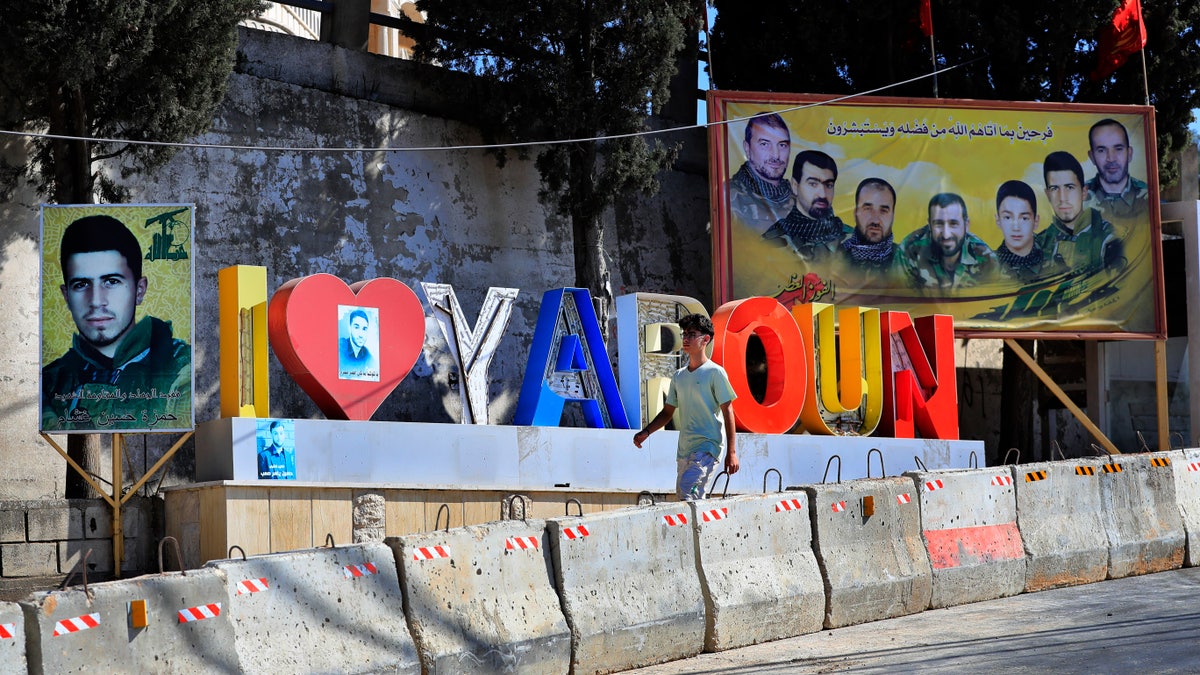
(698, 396)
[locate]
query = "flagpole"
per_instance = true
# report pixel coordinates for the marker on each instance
(1145, 78)
(933, 62)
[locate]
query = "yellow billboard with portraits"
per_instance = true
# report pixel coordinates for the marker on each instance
(116, 310)
(1020, 219)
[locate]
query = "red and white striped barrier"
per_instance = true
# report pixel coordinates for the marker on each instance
(789, 505)
(76, 624)
(903, 498)
(1001, 481)
(674, 519)
(577, 532)
(521, 544)
(252, 586)
(838, 507)
(934, 485)
(6, 630)
(365, 570)
(715, 514)
(200, 612)
(430, 552)
(1194, 466)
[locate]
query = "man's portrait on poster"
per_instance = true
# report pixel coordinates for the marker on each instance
(121, 371)
(358, 343)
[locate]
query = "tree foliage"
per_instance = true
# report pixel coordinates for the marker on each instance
(574, 69)
(1020, 50)
(127, 69)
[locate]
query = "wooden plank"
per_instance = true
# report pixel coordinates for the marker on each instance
(1160, 394)
(404, 512)
(332, 514)
(291, 519)
(214, 534)
(247, 520)
(481, 506)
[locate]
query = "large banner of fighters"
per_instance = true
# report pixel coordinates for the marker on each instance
(116, 308)
(1020, 219)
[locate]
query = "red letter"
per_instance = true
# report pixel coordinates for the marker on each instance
(920, 360)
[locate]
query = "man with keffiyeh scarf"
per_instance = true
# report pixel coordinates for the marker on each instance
(870, 254)
(811, 230)
(759, 193)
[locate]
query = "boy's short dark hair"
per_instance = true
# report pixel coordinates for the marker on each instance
(696, 322)
(93, 234)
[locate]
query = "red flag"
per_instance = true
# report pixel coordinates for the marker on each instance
(1118, 41)
(926, 14)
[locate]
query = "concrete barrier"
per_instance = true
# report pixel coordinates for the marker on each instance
(969, 524)
(758, 571)
(319, 610)
(1060, 516)
(186, 627)
(1187, 494)
(12, 639)
(1141, 516)
(480, 599)
(629, 587)
(873, 566)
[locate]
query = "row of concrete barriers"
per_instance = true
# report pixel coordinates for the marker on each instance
(622, 589)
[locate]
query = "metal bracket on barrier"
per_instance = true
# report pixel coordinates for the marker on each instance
(716, 478)
(577, 503)
(882, 471)
(229, 553)
(839, 473)
(653, 501)
(768, 473)
(920, 464)
(80, 567)
(1182, 440)
(973, 460)
(1100, 451)
(178, 555)
(438, 518)
(1009, 454)
(507, 507)
(329, 540)
(1142, 441)
(1054, 445)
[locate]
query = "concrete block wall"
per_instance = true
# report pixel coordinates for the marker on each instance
(46, 538)
(622, 547)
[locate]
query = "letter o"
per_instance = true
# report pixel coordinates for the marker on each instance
(734, 323)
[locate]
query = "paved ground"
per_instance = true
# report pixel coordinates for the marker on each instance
(1148, 624)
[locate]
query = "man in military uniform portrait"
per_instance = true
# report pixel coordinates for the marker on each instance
(1078, 236)
(120, 372)
(759, 193)
(1112, 190)
(1016, 215)
(811, 230)
(943, 254)
(870, 253)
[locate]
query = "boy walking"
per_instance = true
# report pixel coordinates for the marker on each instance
(703, 396)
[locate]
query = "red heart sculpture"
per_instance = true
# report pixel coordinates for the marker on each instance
(303, 322)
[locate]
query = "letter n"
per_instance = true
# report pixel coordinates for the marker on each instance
(568, 362)
(922, 390)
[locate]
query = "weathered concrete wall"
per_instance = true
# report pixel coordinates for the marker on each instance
(448, 216)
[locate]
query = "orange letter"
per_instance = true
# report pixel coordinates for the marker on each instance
(922, 394)
(735, 322)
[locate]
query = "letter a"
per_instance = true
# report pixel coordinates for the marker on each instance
(568, 362)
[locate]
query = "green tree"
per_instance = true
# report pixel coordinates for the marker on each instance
(123, 69)
(569, 70)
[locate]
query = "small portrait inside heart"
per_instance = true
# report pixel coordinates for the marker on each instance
(358, 343)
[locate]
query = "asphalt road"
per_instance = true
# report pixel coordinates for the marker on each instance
(1148, 624)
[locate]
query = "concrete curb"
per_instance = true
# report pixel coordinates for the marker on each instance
(481, 599)
(1141, 515)
(969, 521)
(96, 634)
(320, 610)
(1060, 516)
(758, 571)
(629, 587)
(1187, 494)
(873, 567)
